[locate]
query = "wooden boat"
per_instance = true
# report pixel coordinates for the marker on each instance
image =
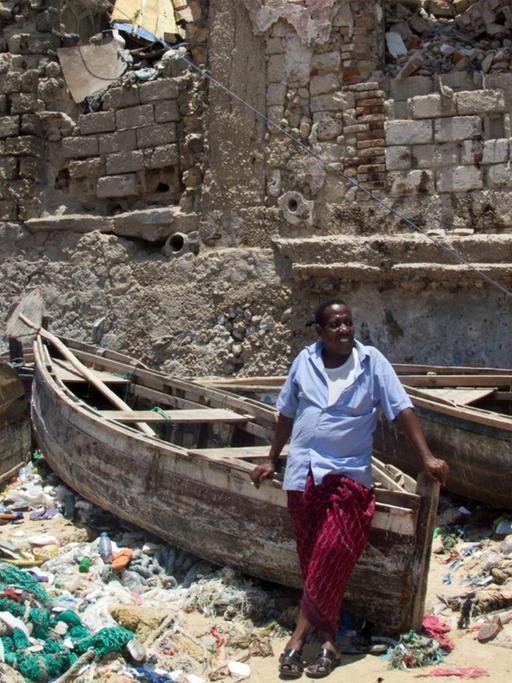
(189, 484)
(466, 414)
(15, 431)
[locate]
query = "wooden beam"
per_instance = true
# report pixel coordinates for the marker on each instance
(428, 490)
(457, 380)
(200, 415)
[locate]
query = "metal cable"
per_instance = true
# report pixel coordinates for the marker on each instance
(312, 153)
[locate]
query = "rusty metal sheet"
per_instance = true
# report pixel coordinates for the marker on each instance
(88, 69)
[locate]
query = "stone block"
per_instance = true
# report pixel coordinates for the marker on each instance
(276, 69)
(457, 128)
(9, 125)
(415, 85)
(499, 175)
(324, 83)
(407, 132)
(25, 145)
(133, 117)
(23, 103)
(326, 61)
(413, 182)
(275, 46)
(338, 101)
(471, 152)
(276, 93)
(10, 83)
(161, 89)
(3, 105)
(8, 211)
(158, 134)
(495, 151)
(161, 157)
(124, 162)
(117, 186)
(431, 106)
(435, 156)
(121, 141)
(89, 168)
(166, 111)
(97, 122)
(118, 98)
(459, 179)
(79, 147)
(8, 168)
(398, 158)
(328, 128)
(32, 168)
(480, 102)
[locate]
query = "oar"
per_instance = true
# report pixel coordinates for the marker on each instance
(84, 371)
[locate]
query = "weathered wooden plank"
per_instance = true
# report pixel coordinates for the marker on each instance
(177, 416)
(247, 452)
(472, 414)
(428, 490)
(504, 380)
(66, 373)
(460, 396)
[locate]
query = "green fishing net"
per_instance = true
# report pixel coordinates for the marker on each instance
(12, 576)
(53, 659)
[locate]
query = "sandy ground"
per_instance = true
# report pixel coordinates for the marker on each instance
(371, 669)
(365, 668)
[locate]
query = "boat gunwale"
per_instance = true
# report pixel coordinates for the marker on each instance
(238, 466)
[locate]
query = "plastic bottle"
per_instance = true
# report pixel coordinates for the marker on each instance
(85, 564)
(105, 547)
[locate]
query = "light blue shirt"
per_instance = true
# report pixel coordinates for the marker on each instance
(337, 438)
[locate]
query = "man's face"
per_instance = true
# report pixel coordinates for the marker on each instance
(337, 330)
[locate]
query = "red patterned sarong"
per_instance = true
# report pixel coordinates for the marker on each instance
(331, 522)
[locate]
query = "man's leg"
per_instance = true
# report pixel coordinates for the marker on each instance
(348, 511)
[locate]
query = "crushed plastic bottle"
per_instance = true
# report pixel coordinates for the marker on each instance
(105, 547)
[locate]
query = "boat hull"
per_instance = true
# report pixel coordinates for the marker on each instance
(479, 456)
(212, 510)
(15, 430)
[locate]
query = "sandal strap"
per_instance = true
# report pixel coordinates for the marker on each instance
(325, 653)
(292, 655)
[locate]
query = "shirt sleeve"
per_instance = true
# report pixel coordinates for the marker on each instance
(288, 399)
(391, 394)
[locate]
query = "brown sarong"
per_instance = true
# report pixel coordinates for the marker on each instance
(331, 522)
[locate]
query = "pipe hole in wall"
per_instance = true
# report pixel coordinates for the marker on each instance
(176, 242)
(293, 205)
(162, 187)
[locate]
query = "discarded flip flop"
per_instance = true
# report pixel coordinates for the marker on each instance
(122, 558)
(43, 513)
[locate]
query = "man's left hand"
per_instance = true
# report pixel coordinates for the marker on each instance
(437, 469)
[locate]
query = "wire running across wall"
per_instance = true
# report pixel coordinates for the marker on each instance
(311, 152)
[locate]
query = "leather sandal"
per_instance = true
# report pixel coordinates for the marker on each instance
(326, 661)
(291, 664)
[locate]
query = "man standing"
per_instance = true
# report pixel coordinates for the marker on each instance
(328, 405)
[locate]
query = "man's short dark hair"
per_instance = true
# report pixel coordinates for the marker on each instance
(319, 313)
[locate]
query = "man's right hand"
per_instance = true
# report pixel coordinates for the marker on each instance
(264, 471)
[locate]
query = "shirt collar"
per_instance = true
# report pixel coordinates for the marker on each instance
(315, 354)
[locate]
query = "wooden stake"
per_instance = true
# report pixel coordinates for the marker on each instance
(87, 374)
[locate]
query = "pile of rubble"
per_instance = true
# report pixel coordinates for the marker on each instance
(476, 547)
(437, 37)
(115, 606)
